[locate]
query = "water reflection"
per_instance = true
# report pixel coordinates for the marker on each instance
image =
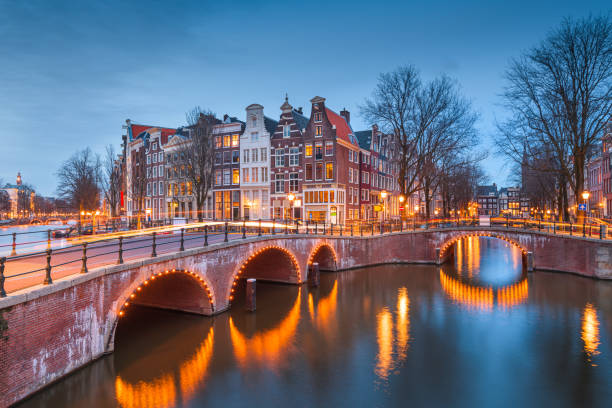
(163, 391)
(590, 331)
(386, 360)
(267, 348)
(472, 297)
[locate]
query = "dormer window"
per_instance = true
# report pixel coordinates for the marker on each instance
(317, 117)
(287, 131)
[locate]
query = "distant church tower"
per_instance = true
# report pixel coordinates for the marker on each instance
(18, 178)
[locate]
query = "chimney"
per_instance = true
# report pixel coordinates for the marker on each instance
(225, 118)
(346, 115)
(299, 110)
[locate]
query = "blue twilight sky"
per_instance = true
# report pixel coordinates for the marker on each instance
(72, 72)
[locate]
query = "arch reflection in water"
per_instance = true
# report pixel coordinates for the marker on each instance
(162, 392)
(387, 360)
(590, 331)
(268, 348)
(479, 298)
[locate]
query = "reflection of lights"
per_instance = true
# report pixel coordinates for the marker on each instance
(386, 362)
(590, 330)
(162, 391)
(474, 297)
(326, 308)
(470, 296)
(384, 335)
(268, 347)
(512, 295)
(403, 323)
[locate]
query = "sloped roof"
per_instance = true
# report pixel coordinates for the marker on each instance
(490, 191)
(270, 125)
(364, 137)
(343, 129)
(135, 131)
(300, 120)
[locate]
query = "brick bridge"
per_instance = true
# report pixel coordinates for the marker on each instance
(48, 331)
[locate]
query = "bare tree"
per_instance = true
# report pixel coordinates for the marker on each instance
(24, 199)
(430, 123)
(5, 202)
(79, 180)
(197, 155)
(560, 97)
(393, 107)
(447, 122)
(111, 180)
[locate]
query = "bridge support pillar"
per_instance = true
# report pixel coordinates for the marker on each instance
(530, 261)
(438, 259)
(251, 301)
(314, 274)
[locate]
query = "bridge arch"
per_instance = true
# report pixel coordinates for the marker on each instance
(174, 289)
(449, 243)
(325, 254)
(271, 263)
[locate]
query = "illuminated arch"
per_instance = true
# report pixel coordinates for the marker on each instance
(450, 242)
(326, 251)
(257, 257)
(124, 301)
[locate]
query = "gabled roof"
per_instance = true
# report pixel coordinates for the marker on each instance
(270, 125)
(364, 137)
(300, 120)
(136, 131)
(490, 191)
(343, 129)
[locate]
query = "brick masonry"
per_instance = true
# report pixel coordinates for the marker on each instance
(48, 331)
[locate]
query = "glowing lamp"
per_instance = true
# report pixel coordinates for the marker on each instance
(383, 194)
(586, 195)
(402, 198)
(291, 197)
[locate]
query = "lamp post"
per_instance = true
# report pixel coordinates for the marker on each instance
(585, 196)
(402, 209)
(383, 196)
(291, 197)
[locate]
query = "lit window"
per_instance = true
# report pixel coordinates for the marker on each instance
(226, 141)
(235, 176)
(329, 171)
(318, 130)
(254, 173)
(235, 140)
(308, 150)
(218, 142)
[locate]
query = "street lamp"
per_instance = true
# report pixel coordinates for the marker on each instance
(585, 197)
(291, 197)
(383, 196)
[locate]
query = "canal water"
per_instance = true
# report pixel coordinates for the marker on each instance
(479, 332)
(29, 238)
